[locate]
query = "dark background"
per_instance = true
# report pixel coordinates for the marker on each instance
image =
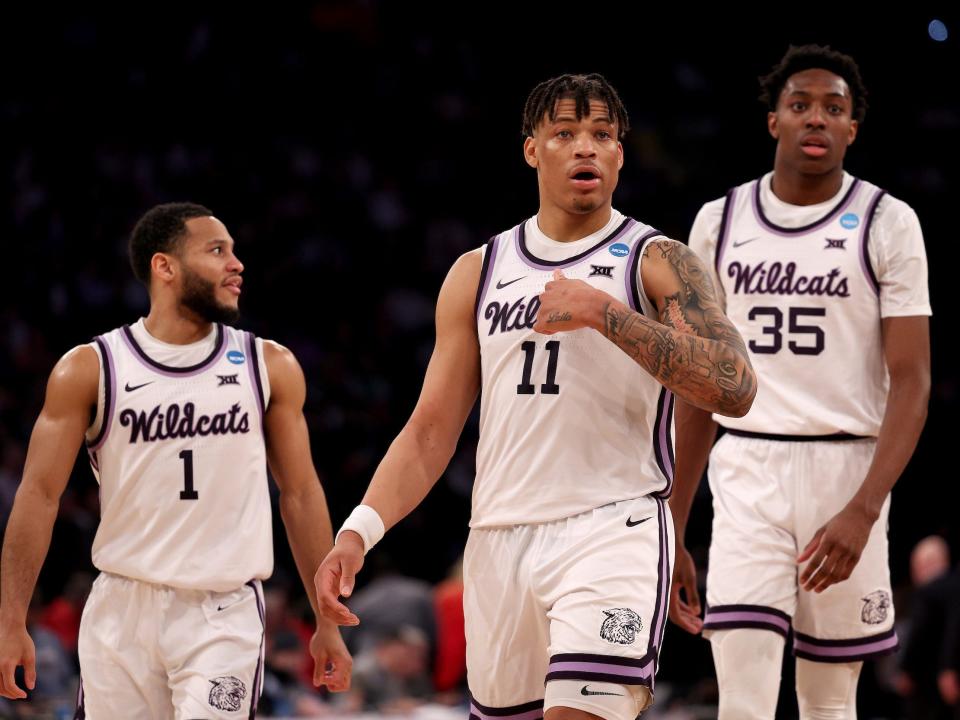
(355, 150)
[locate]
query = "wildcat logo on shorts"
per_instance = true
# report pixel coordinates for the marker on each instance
(227, 692)
(621, 626)
(875, 607)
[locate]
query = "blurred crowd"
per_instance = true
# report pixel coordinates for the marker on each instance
(354, 153)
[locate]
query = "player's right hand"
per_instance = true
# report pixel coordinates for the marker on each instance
(16, 648)
(336, 576)
(685, 613)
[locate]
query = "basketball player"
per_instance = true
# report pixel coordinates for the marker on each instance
(180, 413)
(826, 277)
(578, 325)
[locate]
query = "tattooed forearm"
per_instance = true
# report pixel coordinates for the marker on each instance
(694, 349)
(706, 373)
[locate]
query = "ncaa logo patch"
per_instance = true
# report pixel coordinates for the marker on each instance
(850, 221)
(875, 607)
(236, 357)
(620, 626)
(619, 250)
(227, 693)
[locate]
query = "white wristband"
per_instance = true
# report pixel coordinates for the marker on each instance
(365, 522)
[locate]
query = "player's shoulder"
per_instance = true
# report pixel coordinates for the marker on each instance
(892, 209)
(713, 208)
(76, 375)
(276, 354)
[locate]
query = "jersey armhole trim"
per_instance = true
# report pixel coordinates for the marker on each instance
(489, 259)
(255, 373)
(109, 394)
(722, 234)
(635, 292)
(865, 262)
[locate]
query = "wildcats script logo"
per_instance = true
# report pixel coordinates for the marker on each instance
(518, 315)
(778, 279)
(175, 422)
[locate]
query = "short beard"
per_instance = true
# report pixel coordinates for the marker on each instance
(199, 296)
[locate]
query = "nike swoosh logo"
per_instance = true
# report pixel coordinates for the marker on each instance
(130, 388)
(501, 284)
(634, 523)
(738, 243)
(584, 691)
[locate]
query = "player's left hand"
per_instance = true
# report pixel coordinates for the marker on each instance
(567, 304)
(332, 661)
(835, 549)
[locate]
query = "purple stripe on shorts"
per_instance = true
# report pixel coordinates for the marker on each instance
(255, 695)
(723, 617)
(789, 232)
(81, 712)
(847, 650)
(663, 588)
(624, 671)
(486, 270)
(527, 711)
(529, 715)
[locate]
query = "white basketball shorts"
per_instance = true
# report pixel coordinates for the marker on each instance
(150, 651)
(769, 499)
(584, 598)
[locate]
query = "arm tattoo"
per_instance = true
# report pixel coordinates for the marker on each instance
(694, 349)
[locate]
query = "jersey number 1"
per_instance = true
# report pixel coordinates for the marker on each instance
(188, 493)
(550, 387)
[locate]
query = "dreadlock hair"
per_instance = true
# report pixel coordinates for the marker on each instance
(542, 100)
(808, 57)
(160, 230)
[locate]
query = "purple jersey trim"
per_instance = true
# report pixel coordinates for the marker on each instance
(788, 232)
(253, 368)
(489, 260)
(864, 249)
(109, 395)
(218, 347)
(533, 261)
(850, 650)
(663, 439)
(724, 227)
(632, 279)
(834, 437)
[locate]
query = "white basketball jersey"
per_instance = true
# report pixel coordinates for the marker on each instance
(568, 422)
(180, 457)
(807, 302)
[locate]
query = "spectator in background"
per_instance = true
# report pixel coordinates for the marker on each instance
(936, 596)
(392, 675)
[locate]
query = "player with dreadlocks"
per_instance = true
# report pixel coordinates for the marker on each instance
(578, 326)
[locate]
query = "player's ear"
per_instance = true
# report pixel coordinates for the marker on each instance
(163, 267)
(772, 127)
(530, 151)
